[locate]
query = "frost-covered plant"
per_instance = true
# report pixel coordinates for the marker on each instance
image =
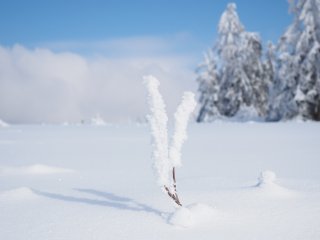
(166, 158)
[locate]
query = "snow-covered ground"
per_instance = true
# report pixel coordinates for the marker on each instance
(96, 182)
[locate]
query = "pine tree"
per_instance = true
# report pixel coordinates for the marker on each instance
(254, 69)
(308, 47)
(208, 80)
(235, 87)
(269, 71)
(269, 65)
(237, 81)
(299, 63)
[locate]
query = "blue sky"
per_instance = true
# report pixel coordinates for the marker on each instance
(70, 60)
(37, 22)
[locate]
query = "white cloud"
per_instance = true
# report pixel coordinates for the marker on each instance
(39, 85)
(136, 46)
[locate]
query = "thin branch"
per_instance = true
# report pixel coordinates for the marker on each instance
(175, 183)
(173, 196)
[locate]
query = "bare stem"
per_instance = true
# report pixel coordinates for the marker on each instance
(174, 195)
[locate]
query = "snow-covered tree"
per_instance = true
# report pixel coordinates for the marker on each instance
(299, 60)
(167, 158)
(254, 69)
(208, 80)
(283, 105)
(270, 64)
(231, 77)
(235, 86)
(308, 49)
(269, 71)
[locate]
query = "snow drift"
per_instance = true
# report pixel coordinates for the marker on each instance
(267, 185)
(191, 215)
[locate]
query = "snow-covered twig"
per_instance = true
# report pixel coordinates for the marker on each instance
(181, 116)
(158, 122)
(166, 160)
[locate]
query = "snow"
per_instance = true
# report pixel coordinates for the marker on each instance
(98, 121)
(111, 194)
(167, 156)
(267, 177)
(3, 123)
(18, 194)
(158, 120)
(181, 117)
(182, 217)
(33, 169)
(194, 214)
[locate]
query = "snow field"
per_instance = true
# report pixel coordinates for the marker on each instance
(225, 186)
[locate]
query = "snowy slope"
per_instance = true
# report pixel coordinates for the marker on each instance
(87, 182)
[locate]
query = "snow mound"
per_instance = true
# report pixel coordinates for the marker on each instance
(98, 121)
(182, 217)
(22, 193)
(267, 186)
(191, 215)
(266, 177)
(36, 169)
(3, 124)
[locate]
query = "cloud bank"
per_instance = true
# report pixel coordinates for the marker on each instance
(45, 86)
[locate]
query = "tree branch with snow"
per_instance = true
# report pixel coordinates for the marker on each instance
(167, 159)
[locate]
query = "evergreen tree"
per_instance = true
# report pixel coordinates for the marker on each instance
(254, 69)
(237, 81)
(308, 49)
(208, 80)
(299, 63)
(235, 88)
(269, 71)
(269, 65)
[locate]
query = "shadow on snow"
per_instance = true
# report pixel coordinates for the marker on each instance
(110, 200)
